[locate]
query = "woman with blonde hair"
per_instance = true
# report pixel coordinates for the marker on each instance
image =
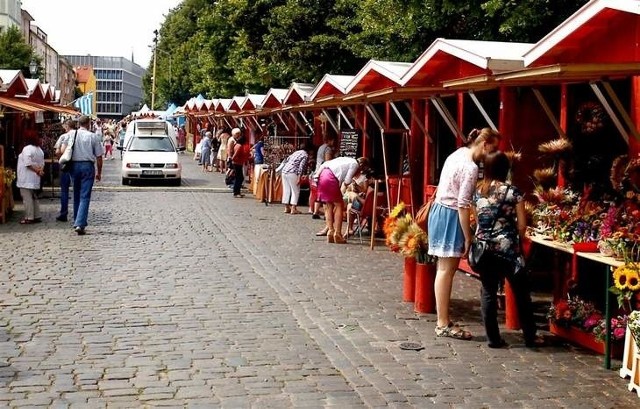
(449, 228)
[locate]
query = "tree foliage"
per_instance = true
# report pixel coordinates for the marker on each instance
(16, 53)
(224, 48)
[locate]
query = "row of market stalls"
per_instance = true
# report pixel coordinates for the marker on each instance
(26, 105)
(568, 107)
(417, 113)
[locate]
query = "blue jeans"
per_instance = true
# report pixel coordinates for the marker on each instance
(65, 182)
(83, 175)
(237, 184)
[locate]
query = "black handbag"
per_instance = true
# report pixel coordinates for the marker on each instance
(478, 251)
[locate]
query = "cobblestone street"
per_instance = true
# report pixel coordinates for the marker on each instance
(187, 297)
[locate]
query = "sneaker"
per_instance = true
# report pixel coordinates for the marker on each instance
(80, 230)
(240, 195)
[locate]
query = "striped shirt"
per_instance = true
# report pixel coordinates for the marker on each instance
(296, 162)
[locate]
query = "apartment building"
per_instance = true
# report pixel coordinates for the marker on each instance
(118, 83)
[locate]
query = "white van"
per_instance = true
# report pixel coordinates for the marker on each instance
(150, 152)
(150, 127)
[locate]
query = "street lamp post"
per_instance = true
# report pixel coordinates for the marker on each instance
(33, 68)
(153, 78)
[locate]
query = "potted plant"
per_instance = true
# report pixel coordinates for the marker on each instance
(395, 227)
(415, 244)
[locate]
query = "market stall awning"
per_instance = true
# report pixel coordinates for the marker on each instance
(601, 29)
(553, 74)
(21, 106)
(55, 108)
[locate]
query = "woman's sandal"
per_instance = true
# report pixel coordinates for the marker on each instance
(322, 232)
(453, 331)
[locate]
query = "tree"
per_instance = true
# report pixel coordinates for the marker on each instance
(224, 48)
(15, 53)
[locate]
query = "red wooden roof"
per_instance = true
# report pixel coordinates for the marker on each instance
(601, 31)
(451, 59)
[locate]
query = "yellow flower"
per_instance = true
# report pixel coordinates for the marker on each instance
(620, 278)
(633, 281)
(397, 210)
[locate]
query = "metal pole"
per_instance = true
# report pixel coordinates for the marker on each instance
(153, 77)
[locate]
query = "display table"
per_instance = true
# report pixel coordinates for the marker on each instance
(607, 263)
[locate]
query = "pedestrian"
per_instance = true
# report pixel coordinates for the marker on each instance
(30, 170)
(258, 160)
(205, 151)
(498, 208)
(325, 153)
(222, 152)
(231, 143)
(333, 174)
(121, 134)
(65, 175)
(108, 144)
(294, 167)
(215, 147)
(238, 159)
(182, 138)
(86, 166)
(449, 228)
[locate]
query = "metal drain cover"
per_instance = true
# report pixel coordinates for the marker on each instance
(411, 346)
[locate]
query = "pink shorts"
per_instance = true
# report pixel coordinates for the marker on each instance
(328, 187)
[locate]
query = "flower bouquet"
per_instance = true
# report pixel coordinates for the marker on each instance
(633, 322)
(9, 177)
(395, 226)
(574, 312)
(414, 243)
(626, 282)
(618, 329)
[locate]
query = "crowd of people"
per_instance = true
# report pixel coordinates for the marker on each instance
(337, 184)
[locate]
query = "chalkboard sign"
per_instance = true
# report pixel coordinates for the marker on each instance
(349, 139)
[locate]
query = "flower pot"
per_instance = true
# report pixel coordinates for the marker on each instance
(586, 340)
(425, 298)
(606, 248)
(409, 279)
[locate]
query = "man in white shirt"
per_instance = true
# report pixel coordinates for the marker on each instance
(85, 168)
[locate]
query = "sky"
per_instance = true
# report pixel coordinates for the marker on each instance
(114, 28)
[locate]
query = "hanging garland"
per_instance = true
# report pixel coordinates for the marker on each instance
(590, 116)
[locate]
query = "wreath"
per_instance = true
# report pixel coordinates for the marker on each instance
(590, 117)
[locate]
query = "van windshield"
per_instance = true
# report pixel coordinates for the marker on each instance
(150, 144)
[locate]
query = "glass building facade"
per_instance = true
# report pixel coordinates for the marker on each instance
(119, 83)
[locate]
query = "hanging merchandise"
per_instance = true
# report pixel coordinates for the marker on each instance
(590, 117)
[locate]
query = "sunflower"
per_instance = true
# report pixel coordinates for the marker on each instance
(389, 226)
(621, 278)
(397, 210)
(413, 240)
(633, 281)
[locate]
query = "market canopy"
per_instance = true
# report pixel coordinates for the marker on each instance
(377, 75)
(600, 31)
(451, 59)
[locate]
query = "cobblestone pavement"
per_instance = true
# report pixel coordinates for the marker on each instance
(187, 297)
